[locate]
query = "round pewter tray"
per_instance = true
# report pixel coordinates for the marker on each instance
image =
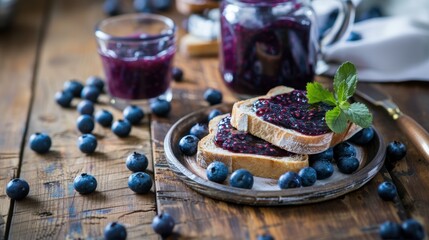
(265, 192)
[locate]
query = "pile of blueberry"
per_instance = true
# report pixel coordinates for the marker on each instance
(409, 229)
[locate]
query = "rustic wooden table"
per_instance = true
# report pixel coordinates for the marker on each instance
(52, 41)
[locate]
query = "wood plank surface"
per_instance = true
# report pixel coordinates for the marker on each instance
(18, 50)
(53, 210)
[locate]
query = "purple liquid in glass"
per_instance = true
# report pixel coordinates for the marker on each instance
(276, 51)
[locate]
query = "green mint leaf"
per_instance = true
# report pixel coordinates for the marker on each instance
(336, 120)
(341, 92)
(316, 93)
(346, 73)
(351, 85)
(359, 114)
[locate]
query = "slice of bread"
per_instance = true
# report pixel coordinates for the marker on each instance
(195, 47)
(244, 119)
(258, 165)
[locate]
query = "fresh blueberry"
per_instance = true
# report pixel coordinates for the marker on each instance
(354, 36)
(363, 137)
(87, 143)
(308, 176)
(85, 107)
(324, 169)
(395, 151)
(85, 183)
(40, 142)
(137, 162)
(387, 191)
(161, 5)
(289, 180)
(140, 182)
(214, 113)
(188, 145)
(73, 86)
(115, 231)
(121, 128)
(96, 82)
(348, 165)
(17, 189)
(104, 118)
(411, 229)
(142, 6)
(199, 130)
(213, 96)
(90, 93)
(328, 155)
(265, 236)
(217, 172)
(390, 230)
(85, 123)
(64, 98)
(160, 107)
(344, 149)
(111, 7)
(241, 178)
(163, 224)
(133, 114)
(177, 74)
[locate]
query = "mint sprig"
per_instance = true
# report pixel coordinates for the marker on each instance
(343, 112)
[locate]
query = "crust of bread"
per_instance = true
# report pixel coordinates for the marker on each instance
(244, 118)
(258, 165)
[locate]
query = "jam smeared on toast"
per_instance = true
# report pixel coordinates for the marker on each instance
(236, 141)
(292, 110)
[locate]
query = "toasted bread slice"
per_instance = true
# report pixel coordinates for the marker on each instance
(244, 119)
(258, 165)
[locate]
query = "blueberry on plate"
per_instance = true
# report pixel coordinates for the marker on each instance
(160, 107)
(328, 155)
(411, 229)
(64, 98)
(363, 137)
(214, 113)
(137, 162)
(188, 145)
(87, 143)
(387, 191)
(265, 236)
(217, 172)
(163, 224)
(85, 107)
(85, 183)
(73, 86)
(17, 189)
(289, 180)
(142, 6)
(85, 123)
(90, 93)
(96, 82)
(111, 7)
(390, 230)
(199, 130)
(324, 169)
(177, 74)
(308, 176)
(348, 164)
(104, 118)
(121, 128)
(395, 151)
(213, 96)
(241, 178)
(133, 114)
(40, 142)
(115, 231)
(344, 149)
(140, 182)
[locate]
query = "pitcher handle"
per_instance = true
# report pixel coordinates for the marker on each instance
(342, 25)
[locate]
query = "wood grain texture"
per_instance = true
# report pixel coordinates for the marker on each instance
(18, 51)
(53, 210)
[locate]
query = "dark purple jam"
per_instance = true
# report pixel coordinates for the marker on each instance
(236, 141)
(292, 111)
(277, 51)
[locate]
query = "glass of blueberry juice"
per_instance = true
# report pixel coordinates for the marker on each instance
(267, 43)
(137, 53)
